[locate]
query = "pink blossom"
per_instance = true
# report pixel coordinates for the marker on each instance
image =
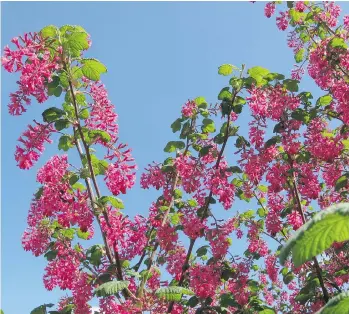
(282, 21)
(191, 172)
(192, 224)
(63, 270)
(36, 70)
(218, 183)
(346, 22)
(300, 6)
(82, 293)
(120, 175)
(102, 114)
(272, 270)
(167, 237)
(189, 108)
(32, 141)
(175, 261)
(127, 237)
(269, 9)
(204, 280)
(154, 176)
(295, 219)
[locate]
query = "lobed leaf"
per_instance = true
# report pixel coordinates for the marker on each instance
(111, 288)
(318, 234)
(172, 293)
(339, 305)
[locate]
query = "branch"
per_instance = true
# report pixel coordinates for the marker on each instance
(295, 194)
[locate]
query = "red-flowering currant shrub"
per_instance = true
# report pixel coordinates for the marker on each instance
(292, 163)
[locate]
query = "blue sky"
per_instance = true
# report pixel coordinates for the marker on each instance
(158, 55)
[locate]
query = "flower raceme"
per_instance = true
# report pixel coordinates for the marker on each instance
(32, 59)
(229, 194)
(32, 144)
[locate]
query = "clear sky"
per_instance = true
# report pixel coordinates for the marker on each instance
(158, 55)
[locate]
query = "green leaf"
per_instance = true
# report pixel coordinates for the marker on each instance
(300, 115)
(290, 4)
(65, 142)
(77, 74)
(258, 73)
(63, 79)
(99, 166)
(73, 179)
(345, 144)
(68, 233)
(267, 311)
(62, 124)
(114, 201)
(262, 212)
(318, 234)
(175, 218)
(341, 182)
(49, 31)
(288, 278)
(225, 94)
(208, 126)
(92, 69)
(75, 42)
(176, 126)
(84, 114)
(291, 85)
(79, 186)
(262, 188)
(93, 135)
(82, 235)
(52, 114)
(339, 305)
(324, 100)
(95, 253)
(226, 69)
(299, 55)
(172, 293)
(58, 91)
(272, 141)
(205, 150)
(201, 102)
(53, 85)
(193, 301)
(173, 145)
(39, 192)
(111, 288)
(202, 250)
(177, 193)
(51, 255)
(192, 203)
(337, 42)
(41, 309)
(296, 16)
(185, 130)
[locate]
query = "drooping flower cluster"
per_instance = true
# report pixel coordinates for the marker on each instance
(204, 280)
(102, 114)
(36, 70)
(120, 175)
(32, 141)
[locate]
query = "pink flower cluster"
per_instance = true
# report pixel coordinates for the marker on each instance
(126, 236)
(189, 108)
(32, 141)
(120, 175)
(36, 71)
(204, 280)
(102, 114)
